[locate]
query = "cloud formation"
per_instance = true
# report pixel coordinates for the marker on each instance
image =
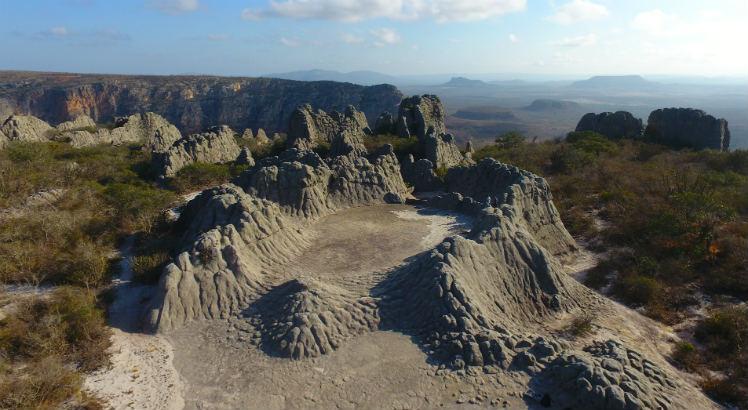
(352, 10)
(385, 36)
(351, 38)
(174, 6)
(576, 11)
(578, 41)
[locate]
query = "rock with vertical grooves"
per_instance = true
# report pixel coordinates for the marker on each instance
(26, 128)
(214, 147)
(309, 129)
(620, 124)
(687, 127)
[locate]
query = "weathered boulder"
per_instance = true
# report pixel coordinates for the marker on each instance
(421, 116)
(215, 146)
(620, 124)
(245, 157)
(26, 128)
(687, 127)
(309, 129)
(81, 122)
(442, 151)
(153, 130)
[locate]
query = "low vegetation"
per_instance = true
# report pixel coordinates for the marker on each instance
(674, 223)
(62, 213)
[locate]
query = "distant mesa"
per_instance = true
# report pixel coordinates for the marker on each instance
(485, 114)
(551, 105)
(636, 82)
(355, 77)
(464, 82)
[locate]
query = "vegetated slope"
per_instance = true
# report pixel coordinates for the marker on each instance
(192, 103)
(673, 225)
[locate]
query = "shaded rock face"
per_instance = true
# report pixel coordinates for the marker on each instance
(192, 103)
(421, 116)
(215, 146)
(308, 129)
(621, 124)
(26, 128)
(687, 127)
(385, 124)
(421, 175)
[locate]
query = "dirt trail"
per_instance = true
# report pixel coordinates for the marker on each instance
(141, 374)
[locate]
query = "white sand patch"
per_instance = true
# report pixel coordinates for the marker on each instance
(441, 224)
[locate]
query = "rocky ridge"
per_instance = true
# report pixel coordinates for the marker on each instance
(192, 103)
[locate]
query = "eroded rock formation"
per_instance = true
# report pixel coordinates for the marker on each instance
(214, 147)
(26, 128)
(309, 129)
(687, 127)
(621, 124)
(421, 116)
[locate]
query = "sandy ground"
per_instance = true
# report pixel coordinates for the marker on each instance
(141, 374)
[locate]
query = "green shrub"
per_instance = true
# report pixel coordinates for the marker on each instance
(725, 331)
(199, 176)
(686, 355)
(581, 325)
(510, 140)
(402, 146)
(638, 290)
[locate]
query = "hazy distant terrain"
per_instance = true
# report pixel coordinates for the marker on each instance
(551, 109)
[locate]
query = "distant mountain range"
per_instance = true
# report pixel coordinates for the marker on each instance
(617, 82)
(464, 82)
(356, 77)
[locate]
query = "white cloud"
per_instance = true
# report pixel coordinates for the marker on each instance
(579, 10)
(351, 39)
(513, 38)
(59, 31)
(290, 42)
(351, 10)
(656, 22)
(174, 6)
(385, 36)
(578, 41)
(249, 14)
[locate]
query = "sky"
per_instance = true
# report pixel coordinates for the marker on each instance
(399, 37)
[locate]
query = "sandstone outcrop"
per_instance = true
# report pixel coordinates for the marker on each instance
(421, 175)
(154, 131)
(309, 129)
(215, 146)
(26, 128)
(81, 122)
(442, 151)
(687, 127)
(192, 103)
(421, 116)
(621, 124)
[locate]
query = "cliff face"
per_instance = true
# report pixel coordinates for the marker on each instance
(192, 103)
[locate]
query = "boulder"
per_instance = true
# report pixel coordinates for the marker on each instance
(422, 115)
(245, 157)
(309, 129)
(421, 175)
(441, 150)
(81, 122)
(215, 146)
(153, 130)
(620, 124)
(26, 128)
(687, 128)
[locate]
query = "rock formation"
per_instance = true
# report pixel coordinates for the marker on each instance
(154, 131)
(423, 115)
(687, 127)
(245, 157)
(26, 128)
(621, 124)
(192, 103)
(421, 175)
(238, 230)
(385, 124)
(81, 122)
(309, 129)
(442, 151)
(215, 146)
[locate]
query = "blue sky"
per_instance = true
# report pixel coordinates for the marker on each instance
(253, 37)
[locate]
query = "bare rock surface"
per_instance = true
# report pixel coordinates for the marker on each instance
(687, 127)
(26, 128)
(308, 128)
(215, 146)
(421, 115)
(79, 123)
(154, 131)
